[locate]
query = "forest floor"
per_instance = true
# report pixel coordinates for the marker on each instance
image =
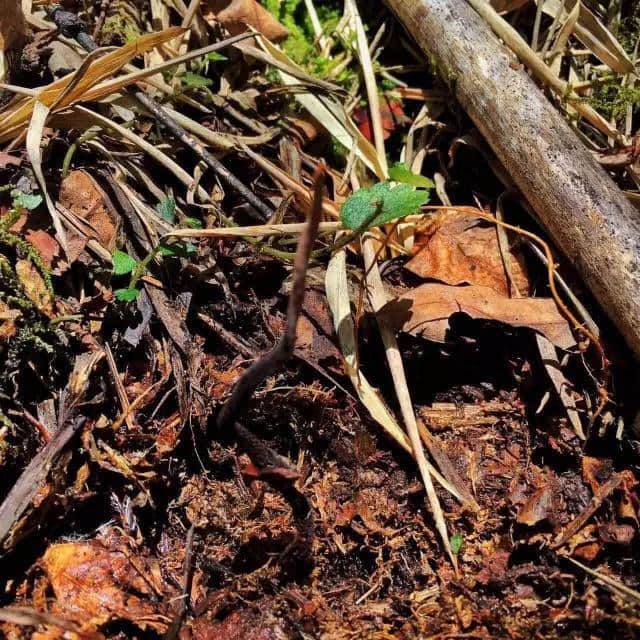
(139, 282)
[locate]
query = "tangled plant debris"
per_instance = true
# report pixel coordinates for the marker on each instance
(285, 352)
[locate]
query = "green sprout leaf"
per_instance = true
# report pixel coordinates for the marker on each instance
(193, 223)
(195, 80)
(456, 543)
(167, 209)
(214, 56)
(123, 263)
(126, 295)
(393, 202)
(178, 249)
(26, 200)
(401, 173)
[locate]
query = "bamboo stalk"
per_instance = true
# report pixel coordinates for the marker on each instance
(583, 210)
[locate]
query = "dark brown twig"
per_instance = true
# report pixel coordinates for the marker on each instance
(33, 477)
(273, 468)
(266, 365)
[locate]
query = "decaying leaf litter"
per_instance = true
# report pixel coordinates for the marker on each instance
(448, 447)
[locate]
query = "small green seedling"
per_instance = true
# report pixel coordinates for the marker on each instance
(401, 173)
(195, 80)
(392, 202)
(123, 263)
(214, 56)
(456, 543)
(26, 200)
(167, 209)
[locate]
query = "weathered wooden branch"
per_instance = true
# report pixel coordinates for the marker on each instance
(585, 213)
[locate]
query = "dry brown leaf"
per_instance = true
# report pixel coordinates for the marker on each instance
(34, 286)
(458, 250)
(7, 321)
(425, 311)
(95, 583)
(15, 116)
(12, 24)
(235, 15)
(83, 197)
(537, 508)
(45, 243)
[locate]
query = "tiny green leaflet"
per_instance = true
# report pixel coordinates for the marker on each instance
(123, 263)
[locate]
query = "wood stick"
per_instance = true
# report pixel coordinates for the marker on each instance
(585, 213)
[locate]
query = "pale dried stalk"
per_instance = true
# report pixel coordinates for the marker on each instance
(255, 231)
(370, 83)
(378, 299)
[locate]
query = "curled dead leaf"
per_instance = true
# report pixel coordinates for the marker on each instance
(426, 310)
(80, 193)
(457, 250)
(96, 583)
(235, 15)
(537, 508)
(45, 243)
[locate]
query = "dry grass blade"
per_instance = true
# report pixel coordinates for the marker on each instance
(609, 582)
(256, 231)
(529, 57)
(15, 117)
(375, 289)
(114, 84)
(337, 289)
(594, 35)
(145, 146)
(370, 82)
(328, 112)
(34, 137)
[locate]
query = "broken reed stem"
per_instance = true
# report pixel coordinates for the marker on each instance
(266, 365)
(579, 326)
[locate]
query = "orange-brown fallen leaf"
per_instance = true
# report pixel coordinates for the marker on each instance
(458, 250)
(235, 15)
(82, 196)
(34, 286)
(538, 507)
(425, 311)
(91, 582)
(45, 243)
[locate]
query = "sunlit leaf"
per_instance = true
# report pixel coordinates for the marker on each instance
(401, 173)
(167, 209)
(123, 263)
(126, 295)
(392, 203)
